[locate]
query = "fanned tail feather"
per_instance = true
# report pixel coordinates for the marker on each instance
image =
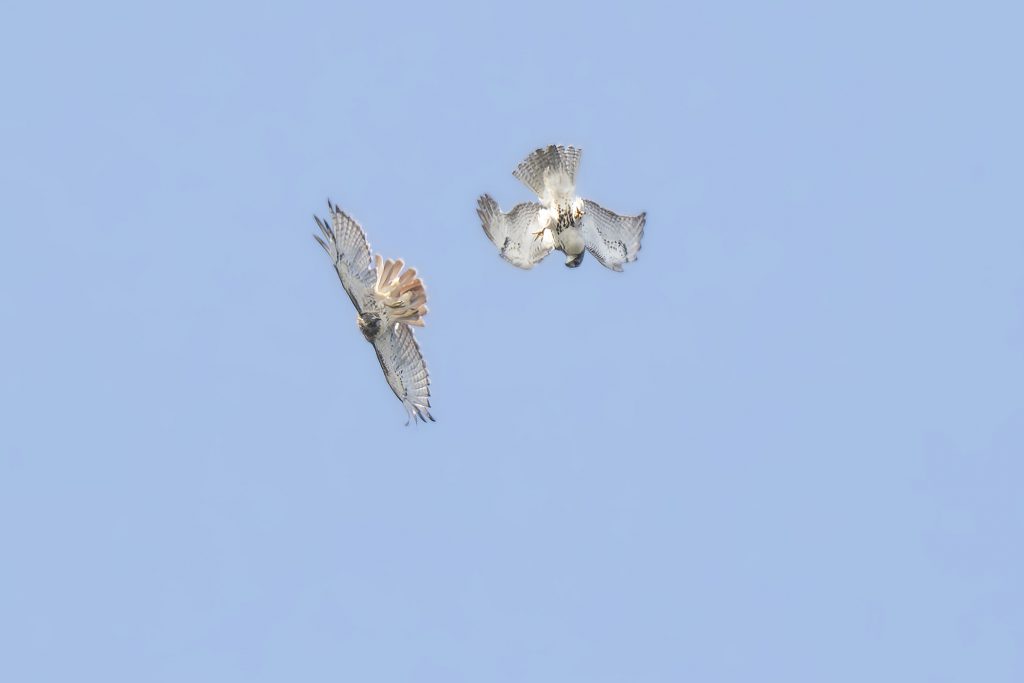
(550, 171)
(401, 292)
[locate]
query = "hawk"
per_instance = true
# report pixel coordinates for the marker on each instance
(562, 220)
(388, 303)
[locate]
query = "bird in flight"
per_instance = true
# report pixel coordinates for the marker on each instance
(561, 220)
(388, 303)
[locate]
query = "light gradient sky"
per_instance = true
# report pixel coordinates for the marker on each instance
(786, 444)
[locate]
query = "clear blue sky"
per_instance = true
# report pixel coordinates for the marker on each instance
(786, 444)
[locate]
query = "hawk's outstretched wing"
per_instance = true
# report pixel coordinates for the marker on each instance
(405, 370)
(512, 232)
(346, 245)
(611, 238)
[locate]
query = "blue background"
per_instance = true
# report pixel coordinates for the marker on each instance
(784, 445)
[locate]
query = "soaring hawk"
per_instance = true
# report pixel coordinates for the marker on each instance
(562, 220)
(387, 303)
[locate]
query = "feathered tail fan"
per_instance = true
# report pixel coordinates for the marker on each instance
(402, 293)
(550, 170)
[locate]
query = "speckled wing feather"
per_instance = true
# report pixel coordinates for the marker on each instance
(611, 238)
(405, 370)
(535, 170)
(512, 232)
(345, 242)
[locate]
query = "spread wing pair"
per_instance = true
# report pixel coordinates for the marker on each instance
(388, 301)
(562, 220)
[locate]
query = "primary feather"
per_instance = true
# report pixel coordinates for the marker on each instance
(512, 232)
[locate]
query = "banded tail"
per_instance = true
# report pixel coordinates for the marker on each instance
(550, 172)
(401, 293)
